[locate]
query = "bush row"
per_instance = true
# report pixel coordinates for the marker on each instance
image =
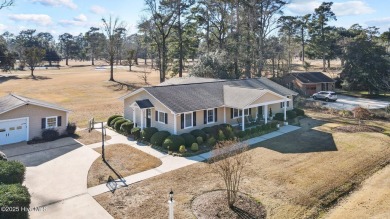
(11, 172)
(291, 114)
(120, 124)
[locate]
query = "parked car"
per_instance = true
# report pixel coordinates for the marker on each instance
(325, 95)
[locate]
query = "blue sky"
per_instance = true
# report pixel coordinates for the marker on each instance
(76, 16)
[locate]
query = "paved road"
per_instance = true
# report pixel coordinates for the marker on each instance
(349, 103)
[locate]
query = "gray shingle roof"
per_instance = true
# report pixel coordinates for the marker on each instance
(240, 97)
(13, 101)
(312, 77)
(197, 96)
(143, 104)
(188, 80)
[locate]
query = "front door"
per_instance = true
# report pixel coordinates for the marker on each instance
(148, 117)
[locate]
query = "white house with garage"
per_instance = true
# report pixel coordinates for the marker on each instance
(22, 118)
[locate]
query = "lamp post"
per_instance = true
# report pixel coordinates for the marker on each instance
(171, 203)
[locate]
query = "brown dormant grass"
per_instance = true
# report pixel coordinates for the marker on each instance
(294, 176)
(92, 137)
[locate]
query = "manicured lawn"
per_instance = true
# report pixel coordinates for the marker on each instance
(295, 175)
(92, 137)
(122, 160)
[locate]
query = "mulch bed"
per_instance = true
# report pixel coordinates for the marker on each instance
(214, 205)
(357, 128)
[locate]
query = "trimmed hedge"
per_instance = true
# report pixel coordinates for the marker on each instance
(71, 128)
(199, 140)
(173, 142)
(229, 133)
(136, 132)
(159, 137)
(118, 123)
(11, 172)
(111, 118)
(211, 142)
(279, 116)
(50, 134)
(194, 147)
(126, 127)
(147, 133)
(291, 114)
(112, 123)
(299, 112)
(199, 133)
(14, 195)
(182, 149)
(221, 136)
(189, 139)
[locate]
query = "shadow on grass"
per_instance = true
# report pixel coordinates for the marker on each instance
(111, 179)
(242, 213)
(8, 78)
(37, 78)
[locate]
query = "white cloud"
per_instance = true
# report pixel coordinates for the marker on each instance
(40, 19)
(339, 8)
(2, 27)
(382, 23)
(81, 18)
(96, 9)
(67, 3)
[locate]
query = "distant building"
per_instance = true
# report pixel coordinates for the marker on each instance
(308, 83)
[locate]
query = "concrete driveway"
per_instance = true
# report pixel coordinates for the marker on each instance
(56, 178)
(349, 103)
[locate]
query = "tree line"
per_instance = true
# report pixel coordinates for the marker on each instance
(223, 38)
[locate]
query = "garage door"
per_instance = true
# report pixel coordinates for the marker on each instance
(13, 131)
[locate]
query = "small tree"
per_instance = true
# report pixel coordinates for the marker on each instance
(34, 57)
(130, 57)
(361, 113)
(228, 161)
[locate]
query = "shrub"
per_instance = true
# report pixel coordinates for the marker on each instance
(126, 127)
(211, 142)
(345, 113)
(240, 134)
(279, 116)
(194, 147)
(159, 137)
(189, 139)
(112, 123)
(229, 133)
(50, 134)
(3, 156)
(111, 118)
(199, 140)
(299, 112)
(147, 133)
(182, 149)
(199, 133)
(71, 128)
(208, 130)
(221, 136)
(118, 123)
(173, 142)
(247, 132)
(136, 132)
(291, 114)
(11, 172)
(14, 195)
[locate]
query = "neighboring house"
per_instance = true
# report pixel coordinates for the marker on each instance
(182, 108)
(22, 118)
(309, 83)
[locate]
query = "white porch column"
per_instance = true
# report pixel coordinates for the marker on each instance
(174, 124)
(285, 110)
(142, 119)
(224, 114)
(134, 115)
(265, 114)
(243, 120)
(257, 112)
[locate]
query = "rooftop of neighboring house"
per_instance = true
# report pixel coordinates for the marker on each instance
(312, 77)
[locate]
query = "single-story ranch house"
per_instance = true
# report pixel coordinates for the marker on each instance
(22, 118)
(309, 83)
(180, 108)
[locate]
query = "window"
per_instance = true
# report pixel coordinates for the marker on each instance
(51, 122)
(210, 116)
(238, 113)
(187, 120)
(161, 117)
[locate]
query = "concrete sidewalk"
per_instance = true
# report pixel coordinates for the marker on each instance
(169, 162)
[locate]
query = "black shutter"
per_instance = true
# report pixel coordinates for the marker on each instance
(182, 120)
(281, 104)
(194, 118)
(43, 124)
(166, 118)
(231, 113)
(250, 111)
(215, 114)
(156, 115)
(59, 121)
(288, 103)
(204, 116)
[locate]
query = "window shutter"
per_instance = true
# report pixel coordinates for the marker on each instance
(231, 113)
(43, 124)
(281, 105)
(182, 120)
(288, 103)
(250, 111)
(156, 115)
(215, 114)
(59, 121)
(194, 118)
(166, 118)
(204, 116)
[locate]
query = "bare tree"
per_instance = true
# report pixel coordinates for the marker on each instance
(228, 161)
(110, 29)
(6, 3)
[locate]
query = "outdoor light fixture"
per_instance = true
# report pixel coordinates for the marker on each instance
(171, 195)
